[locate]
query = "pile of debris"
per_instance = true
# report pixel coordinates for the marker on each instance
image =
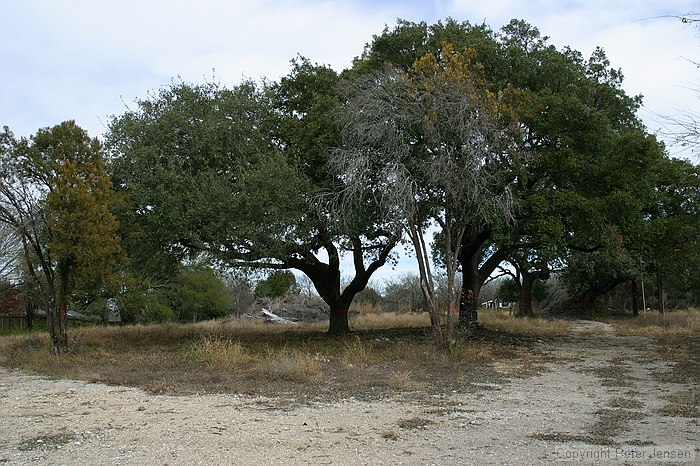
(290, 310)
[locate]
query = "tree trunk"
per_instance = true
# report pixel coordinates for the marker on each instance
(339, 324)
(525, 302)
(29, 310)
(56, 320)
(58, 313)
(469, 297)
(635, 299)
(660, 288)
(588, 301)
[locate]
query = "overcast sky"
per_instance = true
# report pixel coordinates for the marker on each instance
(84, 59)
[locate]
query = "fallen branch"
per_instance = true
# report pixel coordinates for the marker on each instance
(270, 317)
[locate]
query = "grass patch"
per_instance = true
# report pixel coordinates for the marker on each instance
(672, 326)
(390, 435)
(414, 423)
(682, 404)
(615, 374)
(560, 437)
(610, 423)
(379, 320)
(47, 442)
(289, 365)
(624, 403)
(501, 321)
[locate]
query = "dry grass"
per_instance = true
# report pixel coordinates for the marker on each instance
(683, 404)
(502, 321)
(672, 326)
(402, 380)
(216, 353)
(387, 352)
(376, 320)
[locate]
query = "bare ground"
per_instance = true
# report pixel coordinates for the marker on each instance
(594, 396)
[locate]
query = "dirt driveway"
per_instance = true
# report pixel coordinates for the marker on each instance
(598, 398)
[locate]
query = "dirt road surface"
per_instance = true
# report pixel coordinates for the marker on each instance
(599, 399)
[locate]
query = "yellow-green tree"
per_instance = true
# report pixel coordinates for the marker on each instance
(57, 193)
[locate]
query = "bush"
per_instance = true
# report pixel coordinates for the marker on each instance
(144, 306)
(198, 294)
(276, 285)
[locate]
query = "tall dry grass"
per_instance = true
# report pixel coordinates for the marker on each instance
(503, 321)
(383, 320)
(674, 323)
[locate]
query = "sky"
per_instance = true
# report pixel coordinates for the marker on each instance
(87, 60)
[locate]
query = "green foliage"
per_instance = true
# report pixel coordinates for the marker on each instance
(369, 296)
(276, 285)
(508, 291)
(144, 306)
(196, 293)
(590, 275)
(199, 294)
(540, 289)
(179, 156)
(84, 232)
(240, 174)
(56, 193)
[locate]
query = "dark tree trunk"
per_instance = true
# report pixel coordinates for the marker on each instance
(469, 297)
(660, 289)
(525, 302)
(635, 299)
(57, 315)
(588, 301)
(326, 280)
(469, 255)
(29, 310)
(339, 324)
(56, 320)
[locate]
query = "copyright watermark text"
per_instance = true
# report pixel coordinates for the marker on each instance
(674, 453)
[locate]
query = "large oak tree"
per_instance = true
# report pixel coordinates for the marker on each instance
(239, 174)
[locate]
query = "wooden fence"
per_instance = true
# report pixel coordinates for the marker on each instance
(13, 322)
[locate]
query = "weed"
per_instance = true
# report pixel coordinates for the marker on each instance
(401, 380)
(226, 355)
(682, 404)
(354, 351)
(235, 356)
(286, 365)
(414, 423)
(390, 435)
(672, 326)
(367, 321)
(624, 402)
